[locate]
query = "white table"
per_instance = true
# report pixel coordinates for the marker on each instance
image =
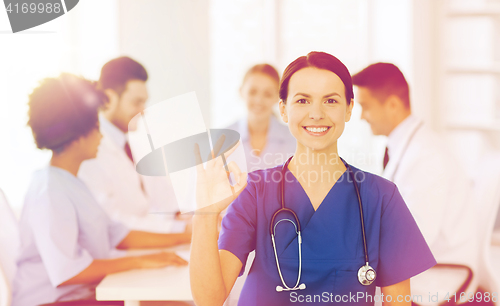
(165, 284)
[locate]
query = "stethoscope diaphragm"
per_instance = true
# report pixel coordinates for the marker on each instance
(366, 275)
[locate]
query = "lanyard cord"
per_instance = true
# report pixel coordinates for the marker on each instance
(282, 200)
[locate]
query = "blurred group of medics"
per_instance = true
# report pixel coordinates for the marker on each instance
(90, 202)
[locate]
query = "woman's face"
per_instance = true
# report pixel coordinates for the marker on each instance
(316, 109)
(90, 143)
(260, 93)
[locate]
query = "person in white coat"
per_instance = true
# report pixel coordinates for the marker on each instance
(140, 202)
(431, 181)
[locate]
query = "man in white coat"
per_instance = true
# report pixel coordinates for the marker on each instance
(139, 202)
(431, 181)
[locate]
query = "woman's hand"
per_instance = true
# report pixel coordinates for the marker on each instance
(99, 268)
(160, 260)
(213, 191)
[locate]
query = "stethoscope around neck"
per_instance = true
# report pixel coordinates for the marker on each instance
(366, 274)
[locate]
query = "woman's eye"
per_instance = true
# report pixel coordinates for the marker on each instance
(331, 101)
(302, 101)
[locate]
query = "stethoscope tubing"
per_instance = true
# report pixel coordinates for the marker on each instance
(299, 240)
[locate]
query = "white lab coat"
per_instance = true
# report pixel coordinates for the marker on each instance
(116, 185)
(436, 190)
(62, 230)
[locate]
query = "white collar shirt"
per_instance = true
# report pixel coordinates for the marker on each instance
(139, 202)
(116, 135)
(398, 141)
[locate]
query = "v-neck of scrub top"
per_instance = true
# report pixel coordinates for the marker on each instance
(305, 193)
(327, 232)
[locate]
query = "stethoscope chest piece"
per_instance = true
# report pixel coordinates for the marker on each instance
(366, 275)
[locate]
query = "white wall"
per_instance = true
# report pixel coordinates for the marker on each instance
(170, 38)
(452, 55)
(207, 45)
(240, 37)
(79, 42)
(244, 33)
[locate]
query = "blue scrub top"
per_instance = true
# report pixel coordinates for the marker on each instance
(332, 249)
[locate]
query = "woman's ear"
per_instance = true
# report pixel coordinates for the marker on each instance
(283, 113)
(349, 111)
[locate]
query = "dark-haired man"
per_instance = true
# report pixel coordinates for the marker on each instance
(432, 183)
(127, 196)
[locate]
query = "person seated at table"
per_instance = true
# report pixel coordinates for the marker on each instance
(68, 242)
(145, 203)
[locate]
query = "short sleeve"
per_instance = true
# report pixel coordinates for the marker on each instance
(238, 225)
(117, 232)
(55, 229)
(403, 250)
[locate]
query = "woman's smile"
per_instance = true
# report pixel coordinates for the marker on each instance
(315, 130)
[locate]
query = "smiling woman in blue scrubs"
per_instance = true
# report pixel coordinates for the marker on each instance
(316, 102)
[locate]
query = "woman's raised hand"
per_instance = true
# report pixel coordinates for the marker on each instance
(214, 193)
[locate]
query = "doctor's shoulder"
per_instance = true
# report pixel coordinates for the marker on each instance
(47, 192)
(427, 145)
